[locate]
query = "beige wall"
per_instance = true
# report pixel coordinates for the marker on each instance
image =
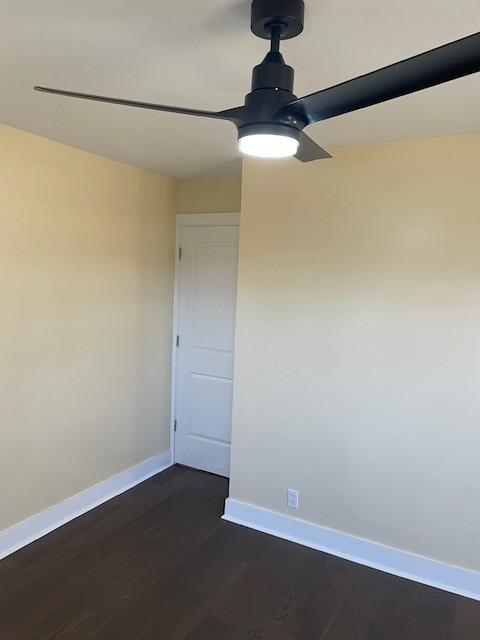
(358, 344)
(86, 273)
(209, 195)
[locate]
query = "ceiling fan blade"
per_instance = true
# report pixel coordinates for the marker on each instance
(451, 61)
(309, 150)
(234, 115)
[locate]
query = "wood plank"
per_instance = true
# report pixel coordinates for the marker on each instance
(158, 562)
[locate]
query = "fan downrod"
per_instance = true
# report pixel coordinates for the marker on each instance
(285, 16)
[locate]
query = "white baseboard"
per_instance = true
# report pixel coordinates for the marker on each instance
(399, 563)
(42, 523)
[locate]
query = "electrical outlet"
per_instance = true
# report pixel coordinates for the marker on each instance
(292, 498)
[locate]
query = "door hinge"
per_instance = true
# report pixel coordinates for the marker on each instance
(179, 253)
(174, 425)
(178, 341)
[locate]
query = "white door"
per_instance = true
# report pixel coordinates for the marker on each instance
(206, 294)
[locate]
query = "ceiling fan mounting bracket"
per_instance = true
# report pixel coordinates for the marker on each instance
(288, 15)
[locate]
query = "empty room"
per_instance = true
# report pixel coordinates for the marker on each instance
(239, 320)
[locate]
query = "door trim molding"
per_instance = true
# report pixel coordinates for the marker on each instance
(207, 220)
(188, 220)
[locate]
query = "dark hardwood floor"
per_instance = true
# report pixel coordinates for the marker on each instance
(158, 563)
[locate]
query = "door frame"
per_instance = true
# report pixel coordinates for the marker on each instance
(188, 220)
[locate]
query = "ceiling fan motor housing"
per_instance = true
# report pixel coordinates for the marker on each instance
(273, 73)
(273, 79)
(268, 128)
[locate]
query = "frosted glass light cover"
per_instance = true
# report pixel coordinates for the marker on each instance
(267, 145)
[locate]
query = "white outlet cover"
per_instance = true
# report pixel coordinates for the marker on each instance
(292, 498)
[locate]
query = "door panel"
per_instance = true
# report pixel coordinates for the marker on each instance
(206, 321)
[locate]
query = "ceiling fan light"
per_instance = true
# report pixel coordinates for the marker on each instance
(268, 145)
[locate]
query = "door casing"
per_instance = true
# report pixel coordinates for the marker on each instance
(188, 220)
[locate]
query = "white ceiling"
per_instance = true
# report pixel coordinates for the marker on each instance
(199, 53)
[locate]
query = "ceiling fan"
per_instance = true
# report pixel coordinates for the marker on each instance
(271, 123)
